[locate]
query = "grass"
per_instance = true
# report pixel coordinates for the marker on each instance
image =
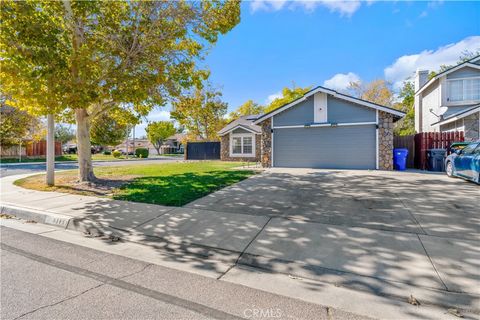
(65, 157)
(171, 184)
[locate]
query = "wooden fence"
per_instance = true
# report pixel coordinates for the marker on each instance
(202, 151)
(39, 149)
(406, 142)
(419, 143)
(433, 140)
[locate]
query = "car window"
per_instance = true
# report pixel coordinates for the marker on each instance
(470, 148)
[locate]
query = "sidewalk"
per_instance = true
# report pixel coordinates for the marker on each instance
(256, 241)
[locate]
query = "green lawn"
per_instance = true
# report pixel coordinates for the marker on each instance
(172, 184)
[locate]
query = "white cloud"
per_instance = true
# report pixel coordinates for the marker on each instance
(345, 8)
(405, 66)
(273, 96)
(341, 81)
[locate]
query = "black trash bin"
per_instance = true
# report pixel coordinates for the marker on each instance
(436, 160)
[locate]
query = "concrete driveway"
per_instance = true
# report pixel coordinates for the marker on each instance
(391, 228)
(413, 202)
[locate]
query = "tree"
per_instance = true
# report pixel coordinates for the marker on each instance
(406, 125)
(64, 133)
(107, 131)
(378, 91)
(80, 59)
(248, 108)
(17, 125)
(202, 113)
(158, 132)
(288, 95)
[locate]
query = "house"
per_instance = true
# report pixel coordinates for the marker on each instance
(240, 140)
(173, 144)
(449, 101)
(322, 129)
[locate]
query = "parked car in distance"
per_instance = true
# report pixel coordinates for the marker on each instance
(456, 146)
(465, 163)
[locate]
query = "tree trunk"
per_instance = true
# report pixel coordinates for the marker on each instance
(84, 149)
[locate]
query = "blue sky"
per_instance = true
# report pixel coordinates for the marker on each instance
(329, 43)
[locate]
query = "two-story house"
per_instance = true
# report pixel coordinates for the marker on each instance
(449, 101)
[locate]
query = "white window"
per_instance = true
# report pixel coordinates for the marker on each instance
(242, 145)
(464, 90)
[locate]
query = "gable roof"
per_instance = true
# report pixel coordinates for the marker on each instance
(469, 63)
(346, 97)
(244, 122)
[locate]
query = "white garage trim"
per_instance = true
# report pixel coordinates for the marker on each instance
(376, 141)
(317, 125)
(271, 142)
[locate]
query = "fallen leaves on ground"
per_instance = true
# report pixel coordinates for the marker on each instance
(455, 312)
(413, 301)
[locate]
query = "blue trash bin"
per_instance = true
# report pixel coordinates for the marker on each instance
(400, 159)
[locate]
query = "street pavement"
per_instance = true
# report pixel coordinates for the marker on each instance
(10, 169)
(49, 279)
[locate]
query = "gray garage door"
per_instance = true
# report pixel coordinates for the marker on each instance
(349, 147)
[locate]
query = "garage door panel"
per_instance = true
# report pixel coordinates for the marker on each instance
(349, 147)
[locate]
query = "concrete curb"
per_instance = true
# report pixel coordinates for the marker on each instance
(50, 218)
(94, 228)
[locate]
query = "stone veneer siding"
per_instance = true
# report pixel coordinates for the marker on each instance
(225, 150)
(266, 157)
(385, 141)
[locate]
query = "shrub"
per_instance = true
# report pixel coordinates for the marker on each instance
(107, 152)
(116, 153)
(141, 153)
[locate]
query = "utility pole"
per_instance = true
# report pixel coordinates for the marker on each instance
(133, 140)
(50, 150)
(126, 143)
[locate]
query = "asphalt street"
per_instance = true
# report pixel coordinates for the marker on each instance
(42, 278)
(18, 168)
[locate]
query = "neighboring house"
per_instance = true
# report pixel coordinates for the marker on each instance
(450, 101)
(240, 140)
(173, 144)
(322, 129)
(139, 143)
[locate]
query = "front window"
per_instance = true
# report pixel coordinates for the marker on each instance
(242, 145)
(464, 90)
(237, 145)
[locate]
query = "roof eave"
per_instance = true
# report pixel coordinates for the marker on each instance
(334, 93)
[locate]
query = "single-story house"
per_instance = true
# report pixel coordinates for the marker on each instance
(322, 129)
(240, 140)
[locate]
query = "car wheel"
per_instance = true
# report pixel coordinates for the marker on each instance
(449, 169)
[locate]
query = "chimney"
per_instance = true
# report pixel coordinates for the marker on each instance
(421, 77)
